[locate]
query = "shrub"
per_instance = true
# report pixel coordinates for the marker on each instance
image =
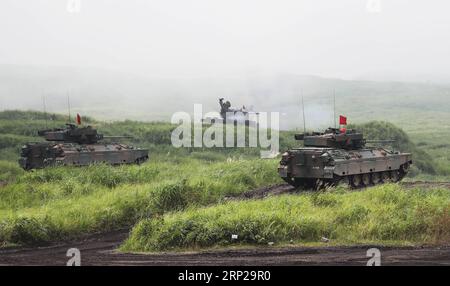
(171, 196)
(31, 231)
(324, 200)
(9, 171)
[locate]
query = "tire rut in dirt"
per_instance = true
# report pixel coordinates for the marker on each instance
(263, 192)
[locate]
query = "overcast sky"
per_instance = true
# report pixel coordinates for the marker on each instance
(198, 38)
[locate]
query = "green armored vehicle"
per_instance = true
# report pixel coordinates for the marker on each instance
(77, 146)
(334, 157)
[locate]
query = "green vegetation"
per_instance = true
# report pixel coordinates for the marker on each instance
(431, 153)
(379, 130)
(172, 195)
(60, 203)
(9, 171)
(382, 214)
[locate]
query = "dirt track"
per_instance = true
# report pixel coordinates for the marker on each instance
(100, 250)
(281, 189)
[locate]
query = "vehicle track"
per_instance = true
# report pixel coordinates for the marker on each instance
(100, 249)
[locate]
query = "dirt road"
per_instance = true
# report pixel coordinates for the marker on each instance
(100, 249)
(281, 189)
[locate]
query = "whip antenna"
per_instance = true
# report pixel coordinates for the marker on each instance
(68, 105)
(334, 107)
(45, 111)
(304, 122)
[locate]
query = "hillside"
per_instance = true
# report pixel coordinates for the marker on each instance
(113, 95)
(19, 127)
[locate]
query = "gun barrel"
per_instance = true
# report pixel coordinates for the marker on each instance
(299, 136)
(117, 136)
(380, 141)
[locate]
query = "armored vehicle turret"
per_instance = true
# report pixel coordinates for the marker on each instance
(336, 156)
(72, 134)
(77, 146)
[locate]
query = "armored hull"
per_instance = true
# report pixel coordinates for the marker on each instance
(74, 146)
(41, 155)
(352, 163)
(230, 120)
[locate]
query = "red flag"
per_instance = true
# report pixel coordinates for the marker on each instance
(342, 120)
(78, 119)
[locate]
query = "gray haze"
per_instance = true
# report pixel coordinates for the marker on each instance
(146, 59)
(192, 38)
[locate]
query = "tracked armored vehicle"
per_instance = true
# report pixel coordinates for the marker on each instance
(335, 157)
(229, 115)
(77, 146)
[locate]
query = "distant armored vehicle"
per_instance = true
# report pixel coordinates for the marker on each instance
(233, 115)
(334, 156)
(77, 146)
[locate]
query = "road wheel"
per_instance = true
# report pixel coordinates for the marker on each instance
(376, 178)
(395, 176)
(366, 179)
(385, 177)
(356, 181)
(342, 182)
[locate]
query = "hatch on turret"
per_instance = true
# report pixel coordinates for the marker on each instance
(333, 138)
(73, 134)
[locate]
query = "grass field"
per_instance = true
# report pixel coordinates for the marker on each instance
(380, 215)
(169, 193)
(62, 203)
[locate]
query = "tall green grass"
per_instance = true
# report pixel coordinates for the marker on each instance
(9, 171)
(382, 214)
(60, 203)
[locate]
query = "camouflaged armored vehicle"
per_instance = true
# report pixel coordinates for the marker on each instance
(336, 157)
(77, 146)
